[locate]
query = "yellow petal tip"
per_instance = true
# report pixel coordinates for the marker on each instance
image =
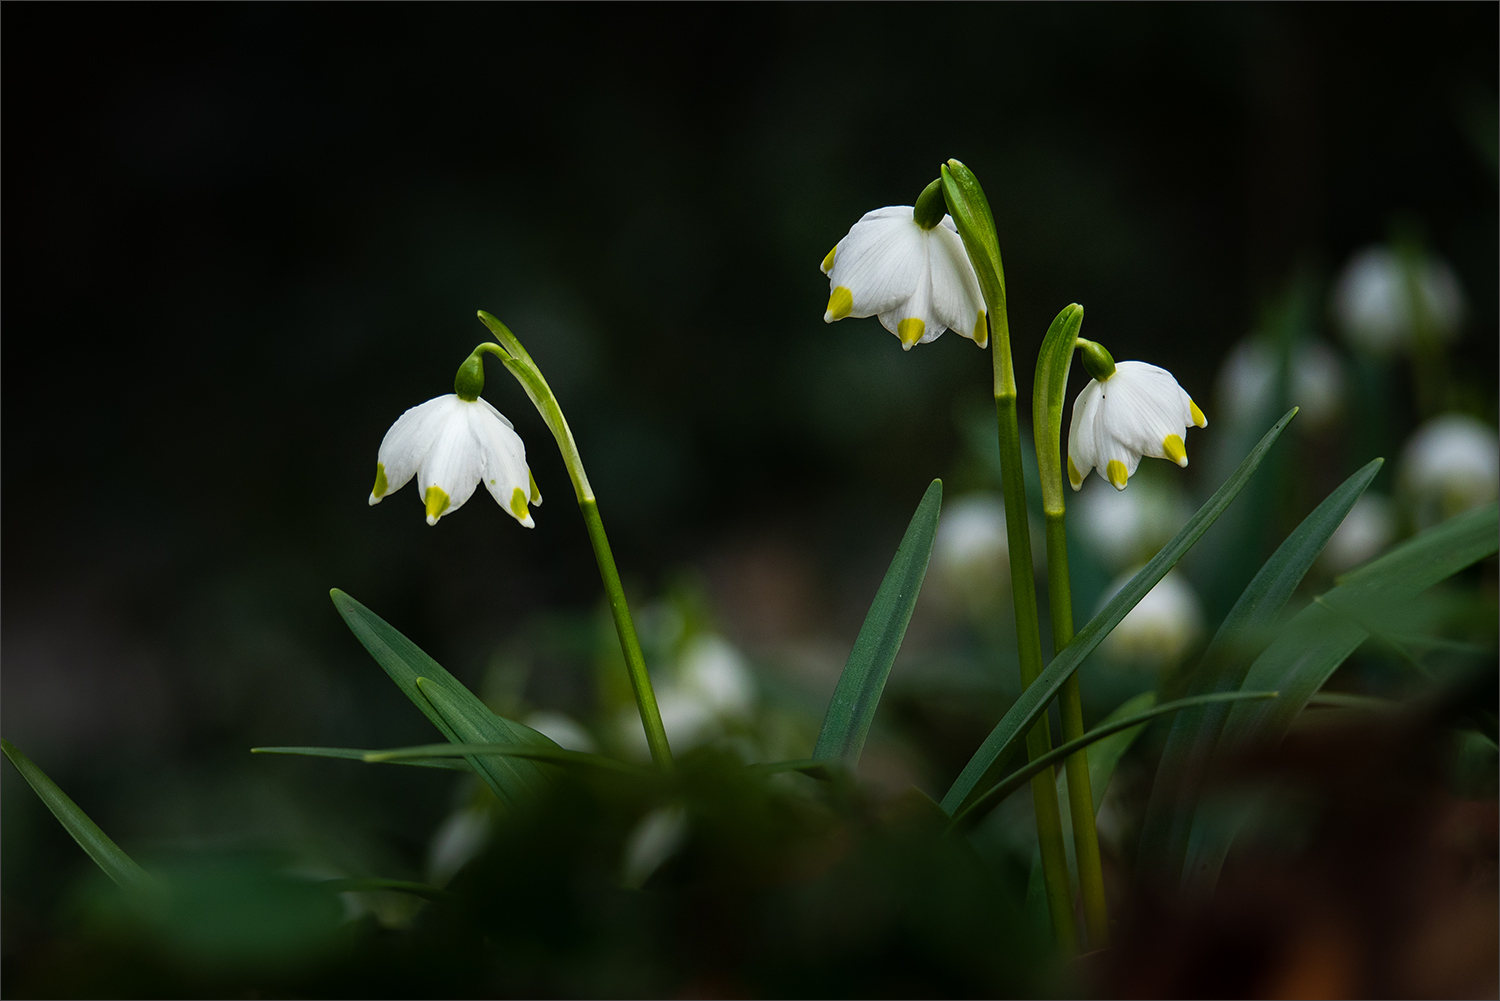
(910, 331)
(518, 504)
(1176, 451)
(828, 261)
(381, 484)
(840, 304)
(436, 500)
(1075, 478)
(1116, 473)
(1198, 419)
(981, 331)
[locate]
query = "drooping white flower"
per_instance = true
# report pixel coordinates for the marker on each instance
(450, 445)
(1248, 380)
(1138, 410)
(1451, 464)
(918, 281)
(1160, 628)
(1374, 304)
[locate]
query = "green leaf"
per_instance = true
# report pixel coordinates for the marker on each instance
(465, 719)
(370, 884)
(1191, 741)
(852, 710)
(356, 754)
(106, 854)
(1033, 701)
(435, 753)
(812, 767)
(1324, 633)
(1320, 637)
(995, 795)
(473, 723)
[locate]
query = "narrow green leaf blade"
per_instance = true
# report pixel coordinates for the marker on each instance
(369, 884)
(852, 710)
(1319, 638)
(433, 753)
(1033, 701)
(1323, 634)
(107, 855)
(472, 722)
(1194, 733)
(404, 661)
(992, 797)
(356, 754)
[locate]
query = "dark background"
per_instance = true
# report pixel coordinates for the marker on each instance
(240, 239)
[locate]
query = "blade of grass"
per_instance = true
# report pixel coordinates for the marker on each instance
(552, 755)
(1190, 743)
(107, 855)
(511, 778)
(996, 794)
(370, 884)
(356, 754)
(405, 662)
(852, 710)
(1319, 638)
(1033, 701)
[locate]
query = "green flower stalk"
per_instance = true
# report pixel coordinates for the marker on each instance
(1052, 366)
(976, 226)
(516, 360)
(454, 443)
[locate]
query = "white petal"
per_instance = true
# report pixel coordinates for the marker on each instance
(916, 308)
(503, 461)
(409, 439)
(956, 298)
(1143, 404)
(1083, 449)
(880, 261)
(454, 462)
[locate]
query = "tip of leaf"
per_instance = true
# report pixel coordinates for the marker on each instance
(336, 594)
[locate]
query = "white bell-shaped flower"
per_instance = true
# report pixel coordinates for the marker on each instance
(1138, 410)
(918, 281)
(1375, 305)
(1450, 465)
(450, 445)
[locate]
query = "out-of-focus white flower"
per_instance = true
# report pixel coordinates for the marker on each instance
(715, 672)
(917, 280)
(458, 839)
(971, 555)
(562, 729)
(1364, 534)
(712, 686)
(971, 535)
(1160, 628)
(451, 445)
(1126, 527)
(1374, 303)
(1248, 379)
(1451, 464)
(654, 840)
(1137, 411)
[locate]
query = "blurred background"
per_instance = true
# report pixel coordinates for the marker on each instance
(242, 239)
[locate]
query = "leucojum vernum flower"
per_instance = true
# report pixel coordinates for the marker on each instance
(1127, 411)
(451, 444)
(907, 266)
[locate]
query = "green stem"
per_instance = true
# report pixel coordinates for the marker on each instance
(518, 362)
(1053, 362)
(1028, 634)
(976, 226)
(635, 663)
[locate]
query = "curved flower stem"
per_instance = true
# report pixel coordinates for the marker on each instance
(971, 214)
(519, 363)
(1053, 363)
